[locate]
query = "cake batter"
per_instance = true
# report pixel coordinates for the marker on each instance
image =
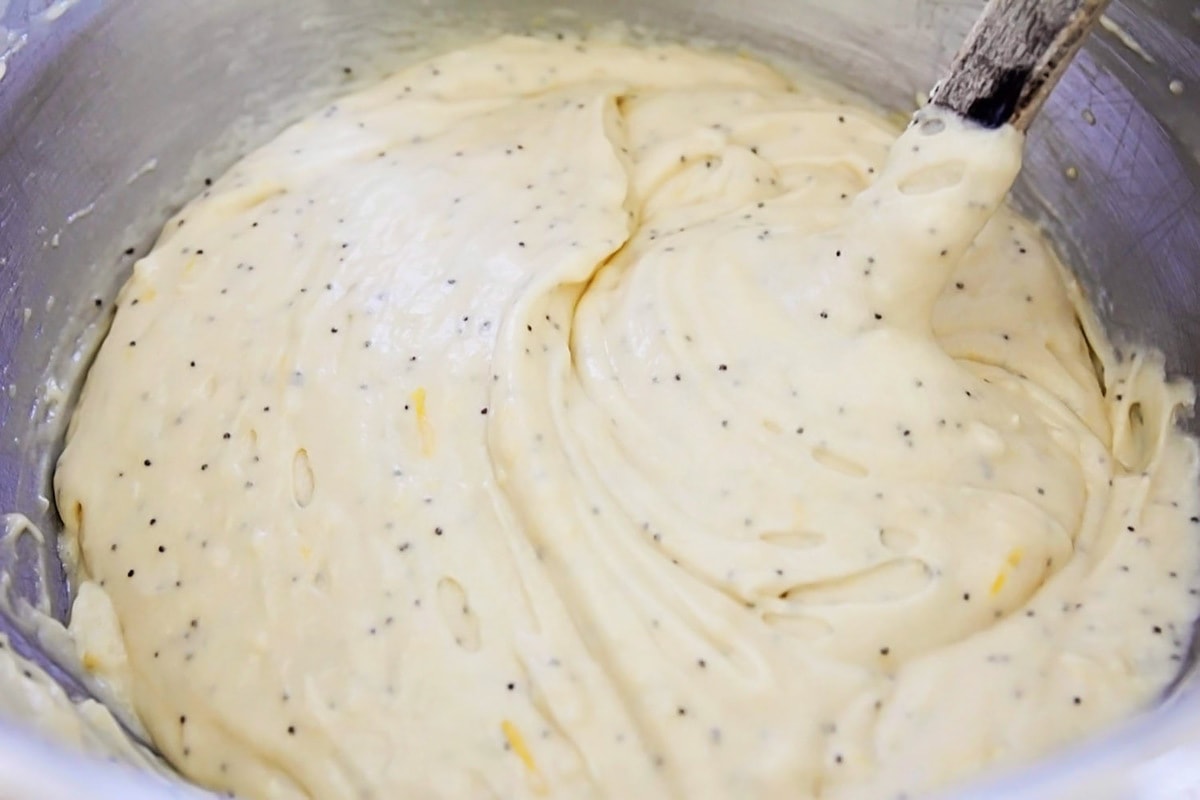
(574, 419)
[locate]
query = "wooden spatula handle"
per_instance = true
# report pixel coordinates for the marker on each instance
(1012, 58)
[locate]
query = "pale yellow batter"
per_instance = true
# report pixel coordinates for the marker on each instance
(579, 420)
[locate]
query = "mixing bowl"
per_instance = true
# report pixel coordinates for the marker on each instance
(112, 112)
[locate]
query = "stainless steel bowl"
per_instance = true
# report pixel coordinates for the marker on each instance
(113, 111)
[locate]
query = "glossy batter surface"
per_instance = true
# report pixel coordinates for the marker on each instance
(583, 420)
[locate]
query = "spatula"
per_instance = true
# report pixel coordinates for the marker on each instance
(1013, 57)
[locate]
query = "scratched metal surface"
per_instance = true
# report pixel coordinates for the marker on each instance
(113, 111)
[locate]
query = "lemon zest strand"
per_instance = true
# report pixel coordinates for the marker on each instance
(517, 742)
(424, 428)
